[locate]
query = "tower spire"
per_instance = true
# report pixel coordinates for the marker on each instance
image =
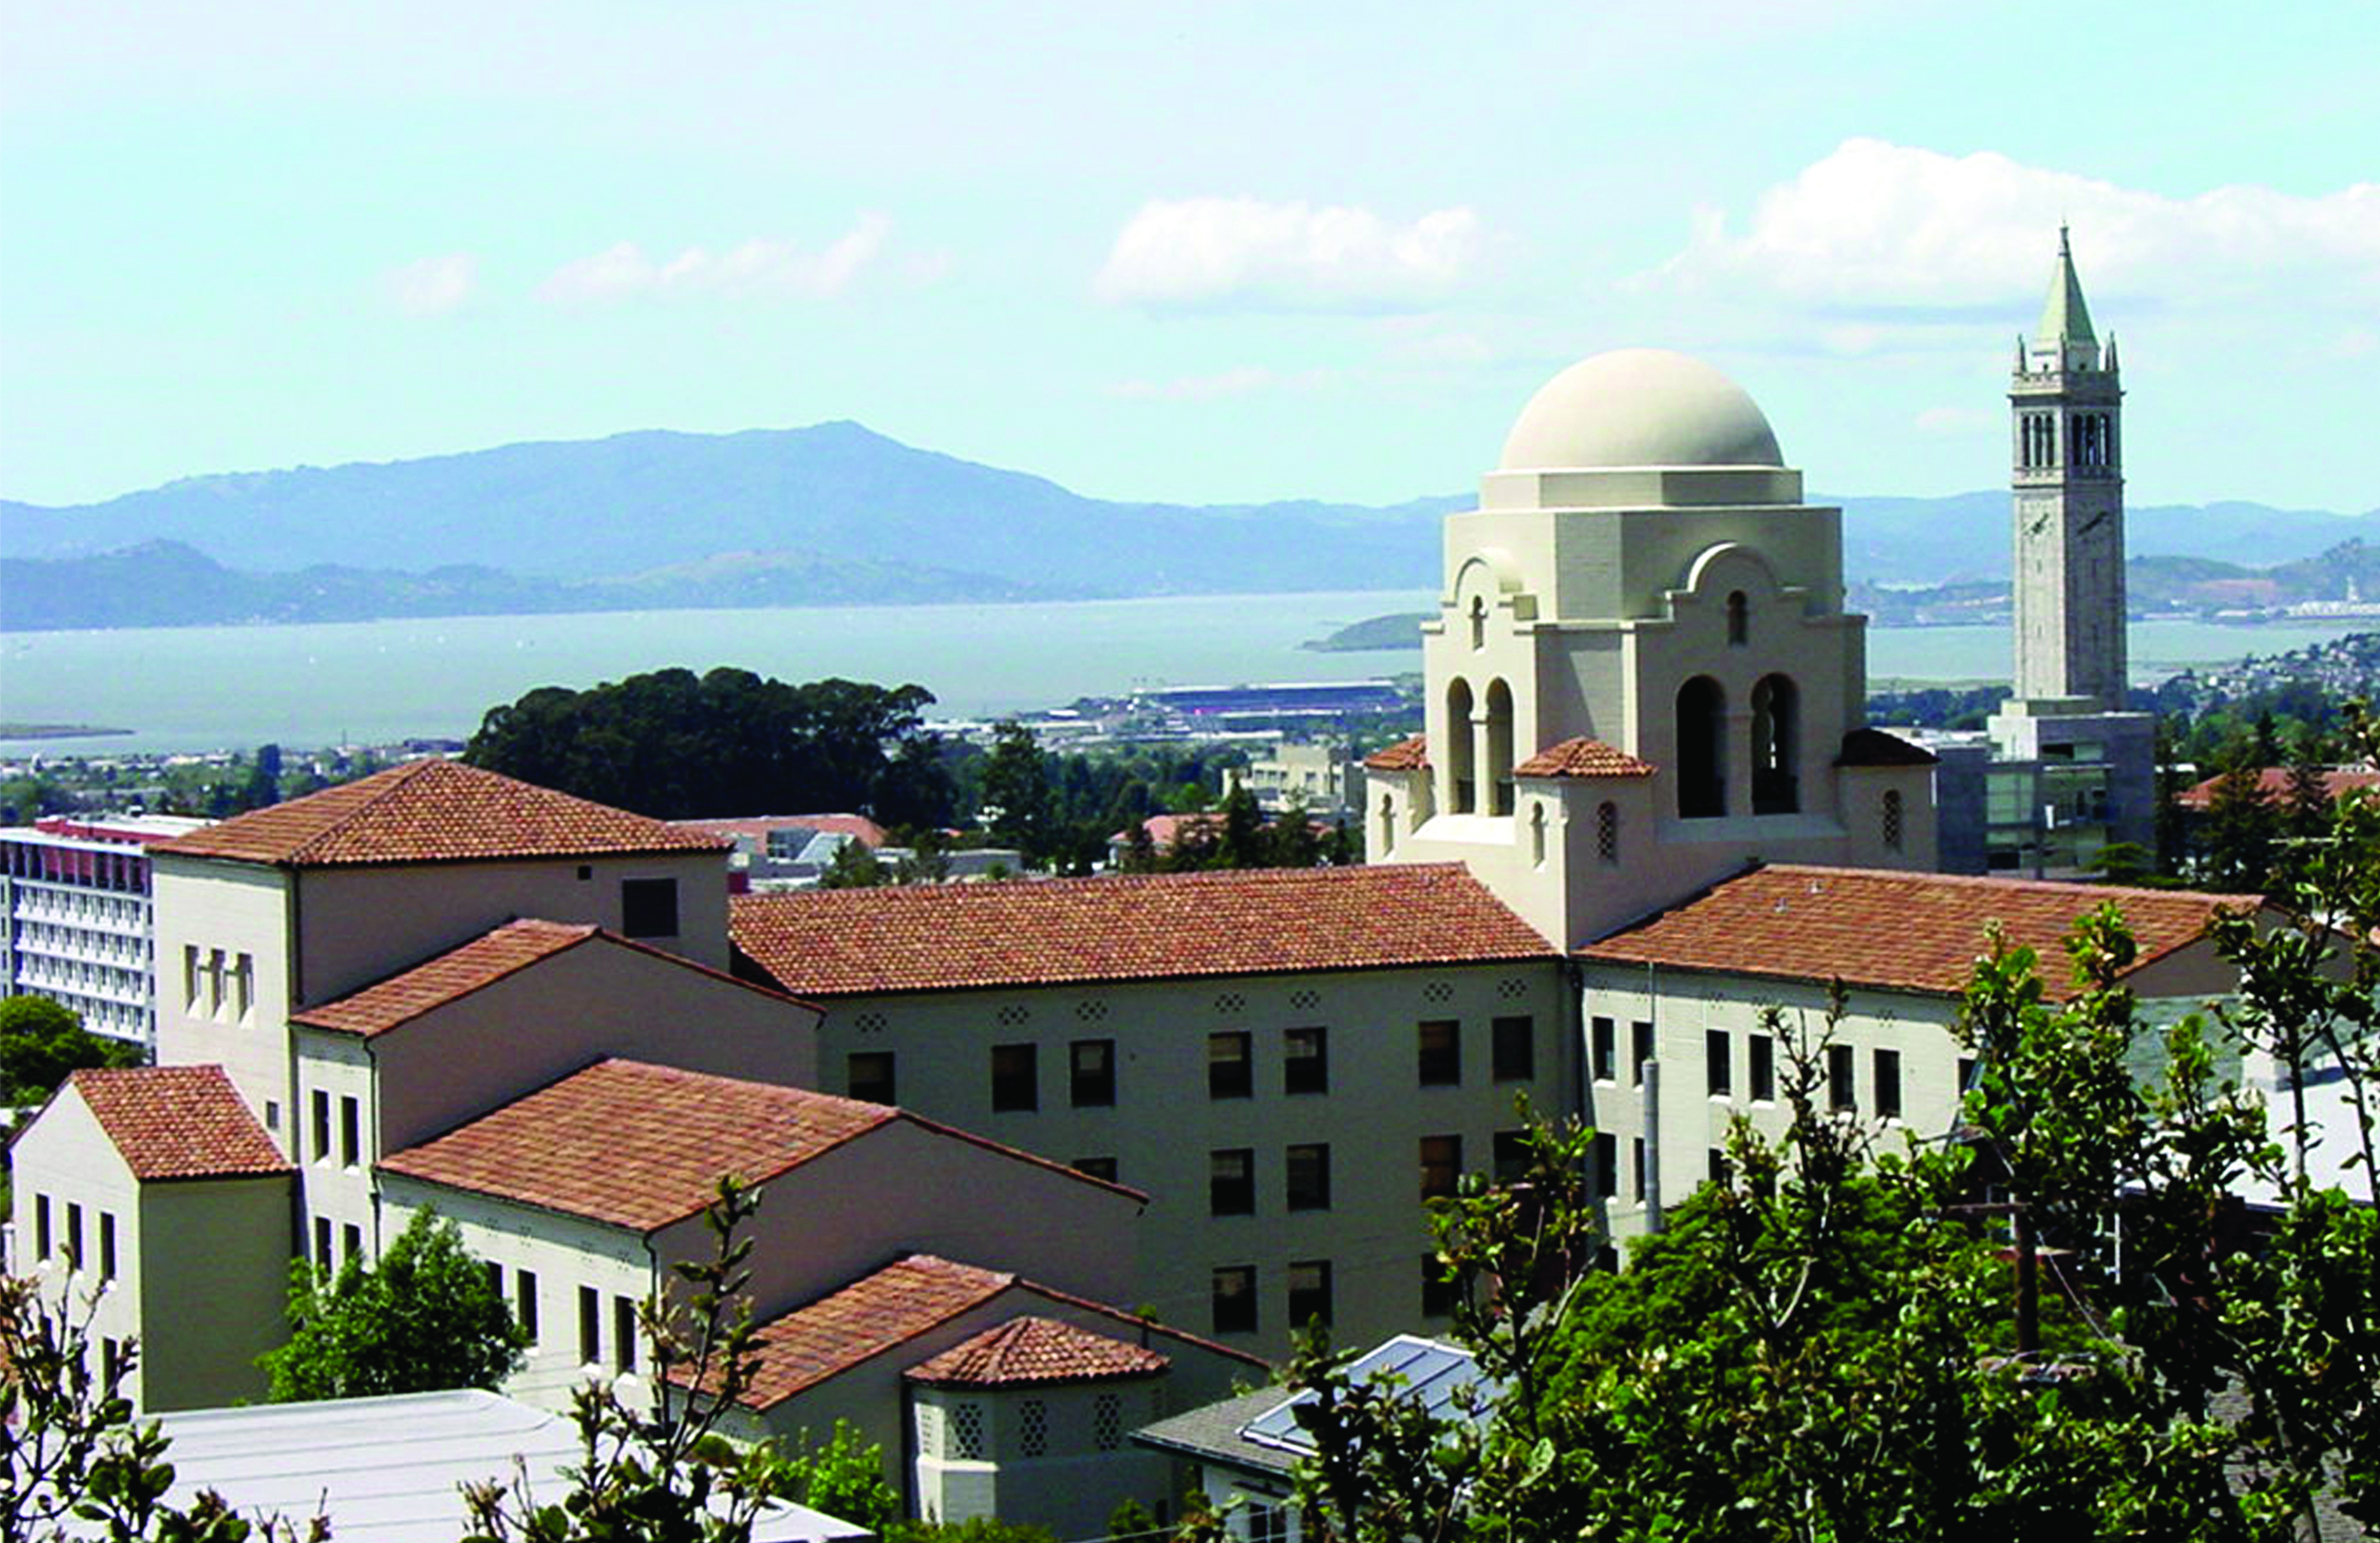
(2065, 320)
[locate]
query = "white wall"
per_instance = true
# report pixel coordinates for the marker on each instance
(206, 909)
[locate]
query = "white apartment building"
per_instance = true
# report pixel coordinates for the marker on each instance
(75, 917)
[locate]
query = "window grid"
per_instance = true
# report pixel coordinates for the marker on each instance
(1439, 1053)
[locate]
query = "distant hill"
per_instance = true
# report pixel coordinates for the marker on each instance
(834, 513)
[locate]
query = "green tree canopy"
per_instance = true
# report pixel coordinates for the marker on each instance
(426, 1317)
(42, 1042)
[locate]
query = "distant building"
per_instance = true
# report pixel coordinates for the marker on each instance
(75, 917)
(1321, 774)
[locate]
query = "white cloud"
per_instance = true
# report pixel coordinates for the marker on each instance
(1243, 381)
(1883, 229)
(432, 286)
(1243, 254)
(758, 269)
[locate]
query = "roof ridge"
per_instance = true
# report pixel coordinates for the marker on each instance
(1993, 881)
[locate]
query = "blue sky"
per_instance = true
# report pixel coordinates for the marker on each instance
(1187, 251)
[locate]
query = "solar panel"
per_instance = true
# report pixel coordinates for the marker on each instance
(1432, 1374)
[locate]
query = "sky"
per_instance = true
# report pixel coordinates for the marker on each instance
(1199, 252)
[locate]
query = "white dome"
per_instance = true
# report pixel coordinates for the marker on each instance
(1640, 408)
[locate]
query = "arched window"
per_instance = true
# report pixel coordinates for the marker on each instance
(1892, 820)
(1739, 620)
(1702, 749)
(1498, 773)
(1537, 833)
(1776, 748)
(1388, 824)
(1606, 833)
(1459, 793)
(1478, 622)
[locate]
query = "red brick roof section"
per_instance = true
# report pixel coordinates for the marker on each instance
(1582, 758)
(429, 811)
(941, 937)
(800, 1349)
(1900, 931)
(1405, 755)
(562, 1148)
(1036, 1350)
(480, 963)
(178, 1122)
(2273, 784)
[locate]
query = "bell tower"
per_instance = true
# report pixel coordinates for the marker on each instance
(2066, 402)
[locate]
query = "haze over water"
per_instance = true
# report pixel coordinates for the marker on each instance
(196, 689)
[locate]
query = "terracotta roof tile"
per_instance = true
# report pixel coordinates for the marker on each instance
(1904, 931)
(1405, 755)
(178, 1122)
(1871, 747)
(800, 1349)
(433, 810)
(757, 827)
(1582, 758)
(2273, 784)
(1029, 1350)
(560, 1147)
(480, 963)
(934, 937)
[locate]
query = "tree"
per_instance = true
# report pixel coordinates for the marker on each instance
(2236, 844)
(854, 868)
(1016, 783)
(43, 1043)
(425, 1316)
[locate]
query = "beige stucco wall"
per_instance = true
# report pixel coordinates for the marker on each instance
(236, 908)
(599, 999)
(363, 923)
(1071, 1488)
(202, 1265)
(1163, 1126)
(336, 1191)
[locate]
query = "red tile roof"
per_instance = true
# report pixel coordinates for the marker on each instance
(1038, 1350)
(800, 1349)
(1901, 931)
(757, 827)
(1582, 758)
(434, 811)
(565, 1148)
(480, 963)
(935, 937)
(2273, 784)
(1405, 755)
(178, 1122)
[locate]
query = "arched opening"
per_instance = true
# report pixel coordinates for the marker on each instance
(1498, 773)
(1538, 834)
(1739, 620)
(1892, 820)
(1606, 833)
(1702, 749)
(1460, 789)
(1388, 824)
(1775, 748)
(1478, 622)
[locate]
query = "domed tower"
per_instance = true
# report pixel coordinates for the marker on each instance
(1641, 676)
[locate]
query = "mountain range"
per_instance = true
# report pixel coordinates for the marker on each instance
(834, 513)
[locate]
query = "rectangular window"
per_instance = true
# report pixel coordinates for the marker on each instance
(272, 1114)
(1607, 1164)
(1228, 1074)
(1718, 1063)
(1441, 1165)
(648, 908)
(1887, 1079)
(351, 1131)
(1514, 1049)
(1304, 1060)
(1640, 1044)
(351, 1241)
(1309, 1292)
(1094, 1073)
(1307, 1172)
(1438, 1293)
(525, 1302)
(1235, 1299)
(1720, 1170)
(1840, 1092)
(1096, 1167)
(190, 978)
(1015, 1077)
(322, 1106)
(623, 1333)
(1439, 1046)
(43, 1244)
(74, 1235)
(1511, 1151)
(1232, 1181)
(868, 1077)
(243, 985)
(590, 1326)
(496, 1273)
(323, 1244)
(1762, 1071)
(1966, 1075)
(1636, 1160)
(1605, 1048)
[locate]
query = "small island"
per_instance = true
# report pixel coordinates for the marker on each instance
(55, 730)
(1402, 630)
